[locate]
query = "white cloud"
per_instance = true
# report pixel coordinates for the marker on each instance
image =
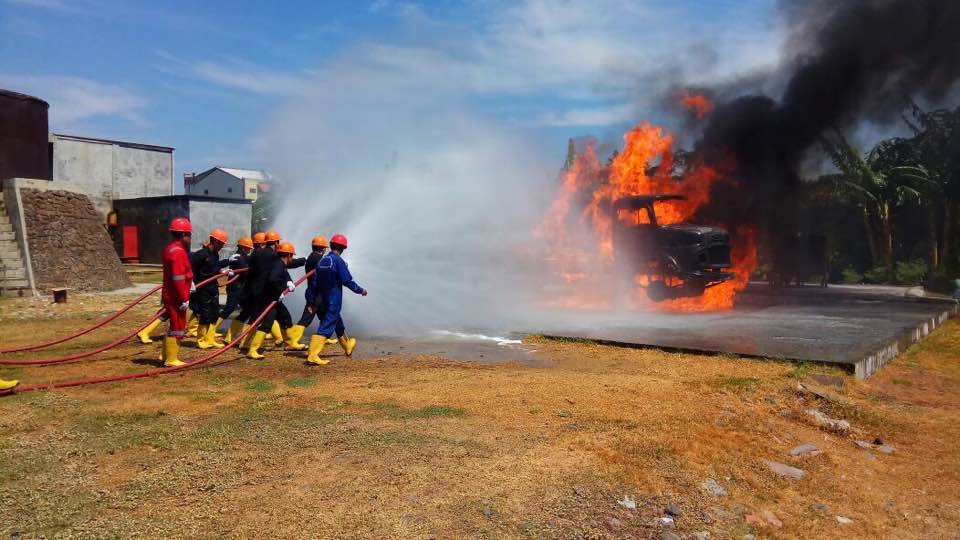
(75, 98)
(589, 117)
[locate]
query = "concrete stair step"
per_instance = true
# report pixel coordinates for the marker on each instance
(13, 283)
(7, 237)
(6, 227)
(13, 273)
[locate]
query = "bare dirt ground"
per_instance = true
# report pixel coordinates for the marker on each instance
(423, 447)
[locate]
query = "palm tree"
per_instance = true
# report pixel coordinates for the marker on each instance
(878, 184)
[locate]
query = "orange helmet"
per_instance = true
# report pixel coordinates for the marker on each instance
(219, 234)
(272, 236)
(259, 238)
(339, 239)
(320, 241)
(286, 248)
(180, 225)
(245, 242)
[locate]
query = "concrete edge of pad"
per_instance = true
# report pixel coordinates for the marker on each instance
(766, 297)
(870, 364)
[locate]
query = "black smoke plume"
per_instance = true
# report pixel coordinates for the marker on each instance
(848, 61)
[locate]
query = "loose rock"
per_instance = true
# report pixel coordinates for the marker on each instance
(825, 421)
(771, 518)
(785, 470)
(628, 502)
(806, 448)
(844, 520)
(489, 512)
(666, 521)
(701, 535)
(579, 491)
(672, 510)
(886, 448)
(669, 535)
(712, 487)
(614, 524)
(863, 444)
(820, 507)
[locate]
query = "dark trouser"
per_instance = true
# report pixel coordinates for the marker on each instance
(328, 313)
(206, 305)
(234, 301)
(278, 313)
(307, 317)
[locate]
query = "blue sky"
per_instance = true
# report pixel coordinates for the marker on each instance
(209, 77)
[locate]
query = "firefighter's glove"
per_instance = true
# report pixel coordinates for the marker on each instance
(184, 306)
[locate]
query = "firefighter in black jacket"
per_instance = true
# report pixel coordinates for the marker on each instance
(276, 283)
(260, 262)
(295, 332)
(205, 299)
(238, 261)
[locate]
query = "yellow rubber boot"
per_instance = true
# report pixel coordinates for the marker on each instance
(171, 351)
(332, 341)
(236, 327)
(348, 343)
(144, 334)
(276, 333)
(254, 351)
(245, 344)
(203, 336)
(193, 325)
(212, 337)
(293, 335)
(216, 328)
(317, 343)
(6, 385)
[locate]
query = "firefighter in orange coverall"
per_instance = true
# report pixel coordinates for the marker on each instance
(177, 275)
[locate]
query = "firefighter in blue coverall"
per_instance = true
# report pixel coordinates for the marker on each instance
(325, 293)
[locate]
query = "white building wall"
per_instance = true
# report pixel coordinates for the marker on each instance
(106, 171)
(231, 217)
(218, 184)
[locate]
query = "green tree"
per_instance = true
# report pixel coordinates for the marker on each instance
(878, 184)
(263, 212)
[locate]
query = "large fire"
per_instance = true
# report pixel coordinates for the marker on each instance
(578, 226)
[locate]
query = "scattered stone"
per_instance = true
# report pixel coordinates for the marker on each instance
(771, 518)
(489, 512)
(721, 513)
(844, 520)
(579, 491)
(666, 521)
(785, 470)
(771, 400)
(712, 487)
(827, 380)
(820, 507)
(755, 520)
(825, 421)
(701, 535)
(628, 502)
(886, 448)
(806, 448)
(669, 535)
(749, 537)
(869, 456)
(863, 444)
(819, 392)
(673, 510)
(614, 524)
(878, 441)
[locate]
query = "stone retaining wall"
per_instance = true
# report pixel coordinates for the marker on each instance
(69, 246)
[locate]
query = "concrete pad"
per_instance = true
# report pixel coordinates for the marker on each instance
(859, 330)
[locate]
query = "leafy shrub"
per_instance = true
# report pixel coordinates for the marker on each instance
(851, 276)
(876, 275)
(910, 272)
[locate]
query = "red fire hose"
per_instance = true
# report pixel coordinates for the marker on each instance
(149, 373)
(103, 322)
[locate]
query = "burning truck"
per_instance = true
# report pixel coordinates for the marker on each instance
(674, 260)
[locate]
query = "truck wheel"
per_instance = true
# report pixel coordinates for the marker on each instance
(658, 291)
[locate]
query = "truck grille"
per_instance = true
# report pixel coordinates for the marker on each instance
(719, 254)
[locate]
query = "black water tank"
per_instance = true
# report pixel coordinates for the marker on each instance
(24, 139)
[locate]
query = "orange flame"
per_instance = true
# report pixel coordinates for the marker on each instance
(578, 227)
(697, 103)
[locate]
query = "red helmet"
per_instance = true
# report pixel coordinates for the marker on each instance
(260, 238)
(219, 234)
(245, 242)
(339, 239)
(181, 224)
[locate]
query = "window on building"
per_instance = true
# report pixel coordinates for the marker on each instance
(253, 190)
(229, 190)
(206, 192)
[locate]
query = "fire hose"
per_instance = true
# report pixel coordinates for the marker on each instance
(107, 320)
(85, 354)
(150, 373)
